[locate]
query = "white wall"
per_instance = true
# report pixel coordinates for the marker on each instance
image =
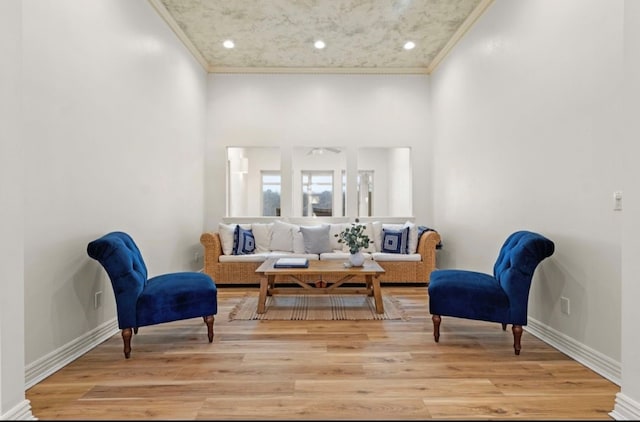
(287, 110)
(114, 139)
(12, 397)
(528, 135)
(628, 400)
(114, 135)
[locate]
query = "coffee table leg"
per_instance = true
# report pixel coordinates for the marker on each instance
(377, 293)
(262, 298)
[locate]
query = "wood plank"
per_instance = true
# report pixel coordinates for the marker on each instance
(324, 370)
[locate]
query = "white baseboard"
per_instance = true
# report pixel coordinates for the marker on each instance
(21, 412)
(625, 409)
(54, 361)
(590, 358)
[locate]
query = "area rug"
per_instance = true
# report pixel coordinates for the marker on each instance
(317, 307)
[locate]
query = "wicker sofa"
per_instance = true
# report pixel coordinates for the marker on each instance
(226, 268)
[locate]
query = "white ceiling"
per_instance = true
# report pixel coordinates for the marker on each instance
(363, 36)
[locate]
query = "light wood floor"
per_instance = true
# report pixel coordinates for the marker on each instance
(324, 370)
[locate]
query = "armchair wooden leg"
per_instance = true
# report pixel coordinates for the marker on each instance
(209, 321)
(126, 337)
(436, 327)
(517, 335)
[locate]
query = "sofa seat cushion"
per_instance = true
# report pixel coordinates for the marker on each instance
(339, 255)
(283, 254)
(254, 257)
(396, 257)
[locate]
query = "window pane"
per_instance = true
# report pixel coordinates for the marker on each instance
(245, 186)
(317, 193)
(365, 193)
(270, 193)
(391, 195)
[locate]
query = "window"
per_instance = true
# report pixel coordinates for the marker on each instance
(253, 181)
(317, 193)
(270, 193)
(365, 193)
(344, 193)
(392, 193)
(257, 184)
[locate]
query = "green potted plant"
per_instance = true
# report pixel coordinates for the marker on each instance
(356, 239)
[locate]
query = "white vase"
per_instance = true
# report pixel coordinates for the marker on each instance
(356, 259)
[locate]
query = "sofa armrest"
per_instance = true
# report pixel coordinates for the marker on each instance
(428, 242)
(212, 251)
(427, 250)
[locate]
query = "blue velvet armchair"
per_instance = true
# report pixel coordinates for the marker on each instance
(502, 297)
(141, 301)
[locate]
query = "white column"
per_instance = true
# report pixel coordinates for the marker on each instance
(627, 405)
(13, 404)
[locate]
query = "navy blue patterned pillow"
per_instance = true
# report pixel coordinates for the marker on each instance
(243, 241)
(395, 241)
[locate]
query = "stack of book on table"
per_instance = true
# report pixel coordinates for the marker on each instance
(291, 263)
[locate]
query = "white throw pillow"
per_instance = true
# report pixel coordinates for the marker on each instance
(282, 236)
(336, 229)
(225, 231)
(413, 236)
(368, 230)
(262, 234)
(377, 234)
(298, 239)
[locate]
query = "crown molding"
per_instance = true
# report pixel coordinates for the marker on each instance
(321, 70)
(457, 36)
(164, 13)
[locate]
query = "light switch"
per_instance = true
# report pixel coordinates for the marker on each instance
(617, 201)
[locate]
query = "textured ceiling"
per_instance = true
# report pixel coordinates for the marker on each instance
(360, 35)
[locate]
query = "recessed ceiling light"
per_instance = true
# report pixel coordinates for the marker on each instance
(319, 44)
(409, 45)
(228, 44)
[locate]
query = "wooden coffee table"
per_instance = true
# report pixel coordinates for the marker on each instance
(371, 270)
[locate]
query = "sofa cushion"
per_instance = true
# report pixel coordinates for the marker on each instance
(316, 238)
(334, 230)
(396, 257)
(282, 236)
(254, 257)
(368, 230)
(262, 234)
(412, 243)
(395, 241)
(340, 256)
(377, 234)
(282, 254)
(243, 241)
(413, 237)
(298, 240)
(226, 232)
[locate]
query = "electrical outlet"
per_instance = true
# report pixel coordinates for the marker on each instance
(97, 300)
(196, 257)
(564, 305)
